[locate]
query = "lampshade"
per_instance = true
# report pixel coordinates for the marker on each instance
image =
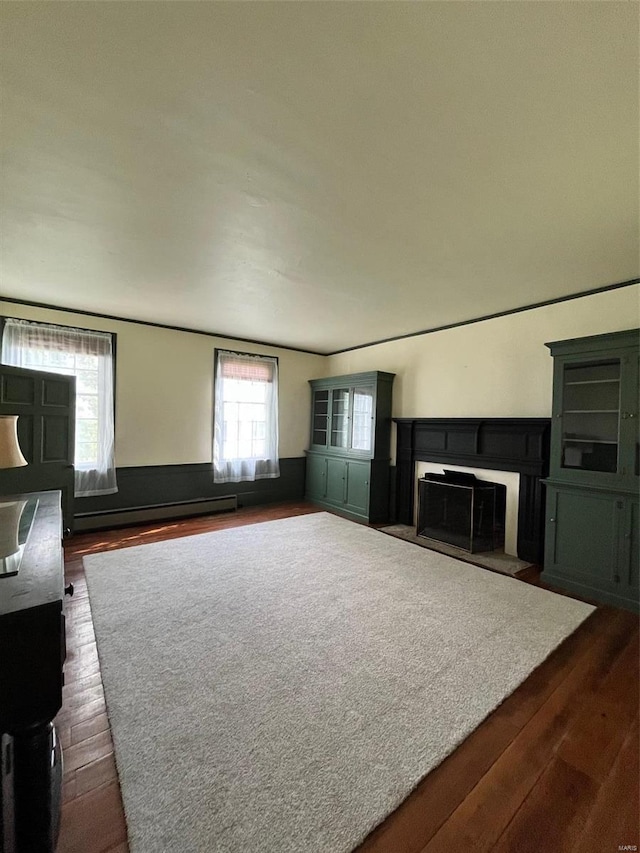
(10, 515)
(10, 453)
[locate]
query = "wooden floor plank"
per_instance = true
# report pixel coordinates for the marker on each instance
(93, 823)
(95, 774)
(540, 746)
(73, 716)
(553, 813)
(593, 742)
(83, 695)
(614, 820)
(86, 751)
(80, 684)
(88, 728)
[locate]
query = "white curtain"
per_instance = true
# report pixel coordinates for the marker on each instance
(88, 356)
(245, 434)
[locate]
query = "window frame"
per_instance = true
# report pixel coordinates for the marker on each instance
(114, 361)
(114, 347)
(252, 355)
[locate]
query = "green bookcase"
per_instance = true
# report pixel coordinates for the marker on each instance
(591, 538)
(348, 456)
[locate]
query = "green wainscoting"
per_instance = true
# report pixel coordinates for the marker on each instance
(171, 484)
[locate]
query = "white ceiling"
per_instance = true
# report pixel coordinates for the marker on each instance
(318, 175)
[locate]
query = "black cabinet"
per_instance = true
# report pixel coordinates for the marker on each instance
(32, 652)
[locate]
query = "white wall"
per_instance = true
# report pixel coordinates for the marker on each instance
(164, 388)
(495, 368)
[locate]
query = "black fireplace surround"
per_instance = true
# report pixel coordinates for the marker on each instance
(499, 444)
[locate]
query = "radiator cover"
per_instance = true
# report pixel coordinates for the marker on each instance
(154, 512)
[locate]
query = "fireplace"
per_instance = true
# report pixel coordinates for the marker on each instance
(516, 445)
(507, 481)
(462, 510)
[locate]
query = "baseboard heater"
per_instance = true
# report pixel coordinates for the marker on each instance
(154, 512)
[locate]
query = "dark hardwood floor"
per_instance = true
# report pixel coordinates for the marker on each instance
(555, 768)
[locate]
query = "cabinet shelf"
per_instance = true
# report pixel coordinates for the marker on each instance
(591, 412)
(592, 382)
(590, 440)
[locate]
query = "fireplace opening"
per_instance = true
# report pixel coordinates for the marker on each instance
(462, 510)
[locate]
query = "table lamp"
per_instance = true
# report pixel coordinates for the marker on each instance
(10, 453)
(10, 513)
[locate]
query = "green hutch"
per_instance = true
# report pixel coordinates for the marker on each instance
(348, 457)
(591, 540)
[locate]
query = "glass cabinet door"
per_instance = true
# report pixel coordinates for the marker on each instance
(320, 418)
(340, 417)
(362, 419)
(591, 416)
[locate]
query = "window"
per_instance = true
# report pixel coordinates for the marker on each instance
(88, 356)
(245, 435)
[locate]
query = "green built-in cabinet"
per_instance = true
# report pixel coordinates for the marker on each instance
(591, 541)
(348, 457)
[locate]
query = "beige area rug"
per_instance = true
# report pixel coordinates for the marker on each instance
(281, 687)
(497, 561)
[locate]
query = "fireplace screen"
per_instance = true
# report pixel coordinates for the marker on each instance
(461, 510)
